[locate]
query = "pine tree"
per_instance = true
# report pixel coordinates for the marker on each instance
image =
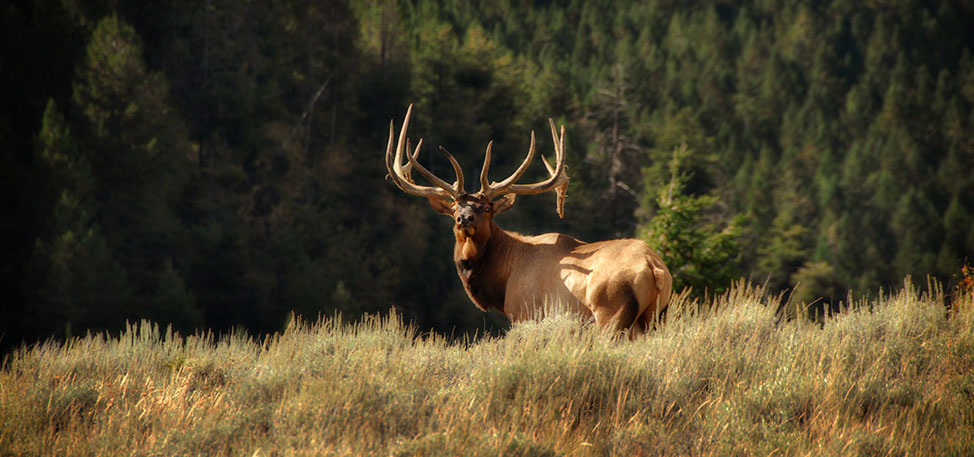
(137, 149)
(173, 303)
(77, 282)
(699, 253)
(612, 160)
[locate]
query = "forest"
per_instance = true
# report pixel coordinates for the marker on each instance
(218, 164)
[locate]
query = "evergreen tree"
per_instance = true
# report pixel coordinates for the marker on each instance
(612, 161)
(77, 282)
(173, 303)
(839, 132)
(697, 251)
(137, 149)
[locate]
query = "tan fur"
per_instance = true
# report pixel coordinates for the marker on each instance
(622, 284)
(466, 246)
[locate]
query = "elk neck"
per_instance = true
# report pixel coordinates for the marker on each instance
(484, 275)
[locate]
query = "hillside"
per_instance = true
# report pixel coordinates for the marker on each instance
(728, 377)
(218, 165)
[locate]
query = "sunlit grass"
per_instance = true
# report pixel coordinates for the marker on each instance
(730, 377)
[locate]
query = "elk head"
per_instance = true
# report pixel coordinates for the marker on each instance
(473, 213)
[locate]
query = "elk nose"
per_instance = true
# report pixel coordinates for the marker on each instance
(464, 219)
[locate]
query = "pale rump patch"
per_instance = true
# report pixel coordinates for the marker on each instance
(664, 284)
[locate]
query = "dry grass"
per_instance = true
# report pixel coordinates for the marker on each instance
(890, 377)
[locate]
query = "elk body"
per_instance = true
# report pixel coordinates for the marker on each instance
(621, 284)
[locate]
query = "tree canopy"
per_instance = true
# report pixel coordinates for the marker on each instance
(218, 164)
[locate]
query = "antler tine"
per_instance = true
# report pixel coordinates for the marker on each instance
(558, 180)
(558, 176)
(407, 169)
(457, 186)
(394, 169)
(436, 180)
(501, 187)
(484, 184)
(401, 173)
(402, 176)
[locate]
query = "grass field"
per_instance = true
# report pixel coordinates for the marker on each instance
(893, 376)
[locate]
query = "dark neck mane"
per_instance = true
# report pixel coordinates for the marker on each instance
(485, 276)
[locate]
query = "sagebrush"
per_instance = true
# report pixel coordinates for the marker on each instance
(731, 376)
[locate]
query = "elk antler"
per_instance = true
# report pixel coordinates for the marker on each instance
(558, 181)
(402, 174)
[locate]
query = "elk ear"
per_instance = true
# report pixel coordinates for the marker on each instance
(504, 203)
(441, 205)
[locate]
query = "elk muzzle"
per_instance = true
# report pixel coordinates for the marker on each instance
(465, 220)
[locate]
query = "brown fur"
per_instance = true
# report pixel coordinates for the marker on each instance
(622, 284)
(466, 247)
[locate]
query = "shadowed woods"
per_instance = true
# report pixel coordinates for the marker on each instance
(202, 163)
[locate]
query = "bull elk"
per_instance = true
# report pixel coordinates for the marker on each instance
(622, 284)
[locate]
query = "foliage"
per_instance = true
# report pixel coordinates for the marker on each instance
(966, 283)
(218, 164)
(77, 281)
(721, 377)
(698, 254)
(816, 281)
